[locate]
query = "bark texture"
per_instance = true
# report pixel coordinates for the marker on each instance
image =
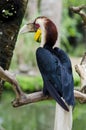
(11, 15)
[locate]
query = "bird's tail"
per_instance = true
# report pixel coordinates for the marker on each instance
(63, 119)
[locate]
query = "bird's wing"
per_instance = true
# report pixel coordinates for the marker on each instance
(64, 59)
(48, 67)
(66, 76)
(53, 92)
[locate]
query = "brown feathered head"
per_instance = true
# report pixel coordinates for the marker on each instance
(45, 31)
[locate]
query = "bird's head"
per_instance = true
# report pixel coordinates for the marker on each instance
(45, 31)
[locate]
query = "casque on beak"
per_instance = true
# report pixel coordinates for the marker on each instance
(30, 27)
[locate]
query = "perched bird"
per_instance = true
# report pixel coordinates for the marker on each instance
(54, 65)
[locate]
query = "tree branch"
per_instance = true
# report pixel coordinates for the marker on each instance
(23, 98)
(79, 10)
(81, 70)
(7, 76)
(30, 98)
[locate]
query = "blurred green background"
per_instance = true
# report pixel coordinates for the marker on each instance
(40, 116)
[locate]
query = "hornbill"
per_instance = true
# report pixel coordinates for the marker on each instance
(54, 65)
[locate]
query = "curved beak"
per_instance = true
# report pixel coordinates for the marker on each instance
(30, 27)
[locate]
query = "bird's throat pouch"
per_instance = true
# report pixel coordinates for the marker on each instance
(37, 36)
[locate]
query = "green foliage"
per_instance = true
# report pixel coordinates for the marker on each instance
(29, 117)
(35, 83)
(30, 83)
(73, 2)
(79, 116)
(68, 24)
(69, 30)
(78, 51)
(76, 79)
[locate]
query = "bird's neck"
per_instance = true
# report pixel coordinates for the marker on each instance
(47, 39)
(46, 46)
(45, 43)
(43, 36)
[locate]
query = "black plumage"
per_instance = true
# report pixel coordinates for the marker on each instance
(56, 71)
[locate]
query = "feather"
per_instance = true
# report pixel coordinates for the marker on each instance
(67, 76)
(56, 72)
(63, 119)
(55, 95)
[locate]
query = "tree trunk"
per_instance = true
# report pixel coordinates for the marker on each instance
(11, 15)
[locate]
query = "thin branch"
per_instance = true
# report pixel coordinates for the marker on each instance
(81, 70)
(30, 98)
(80, 96)
(9, 77)
(83, 61)
(38, 96)
(79, 10)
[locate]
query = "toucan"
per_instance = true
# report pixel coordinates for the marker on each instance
(53, 63)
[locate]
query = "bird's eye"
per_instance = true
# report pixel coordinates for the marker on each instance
(37, 26)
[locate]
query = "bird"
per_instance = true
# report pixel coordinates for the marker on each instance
(55, 67)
